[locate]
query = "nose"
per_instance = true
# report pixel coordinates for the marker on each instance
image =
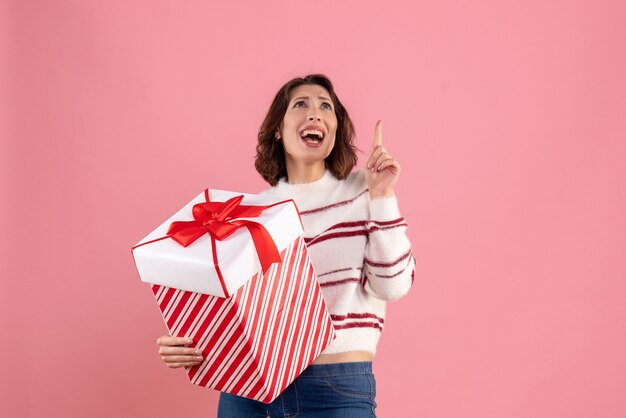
(314, 116)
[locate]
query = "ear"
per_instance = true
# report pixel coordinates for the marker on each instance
(277, 135)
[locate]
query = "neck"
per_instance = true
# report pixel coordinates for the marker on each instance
(305, 172)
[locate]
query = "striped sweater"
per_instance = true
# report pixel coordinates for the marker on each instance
(360, 252)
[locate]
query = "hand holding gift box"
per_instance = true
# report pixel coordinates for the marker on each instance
(255, 342)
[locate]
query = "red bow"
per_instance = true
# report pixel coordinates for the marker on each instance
(218, 220)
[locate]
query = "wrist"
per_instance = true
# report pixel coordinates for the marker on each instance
(383, 209)
(380, 193)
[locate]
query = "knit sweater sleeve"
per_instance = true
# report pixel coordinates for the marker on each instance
(389, 264)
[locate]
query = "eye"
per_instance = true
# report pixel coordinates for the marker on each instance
(297, 103)
(328, 106)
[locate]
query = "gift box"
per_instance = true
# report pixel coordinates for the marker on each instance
(257, 333)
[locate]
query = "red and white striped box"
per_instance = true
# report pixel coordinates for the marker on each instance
(231, 271)
(257, 341)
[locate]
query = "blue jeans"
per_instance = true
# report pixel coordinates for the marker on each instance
(337, 390)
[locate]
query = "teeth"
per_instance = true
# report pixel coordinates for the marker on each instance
(316, 132)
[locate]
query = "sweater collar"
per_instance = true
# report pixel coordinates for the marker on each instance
(285, 190)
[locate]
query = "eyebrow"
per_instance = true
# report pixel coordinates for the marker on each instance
(319, 97)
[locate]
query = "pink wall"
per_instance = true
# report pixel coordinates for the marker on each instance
(509, 121)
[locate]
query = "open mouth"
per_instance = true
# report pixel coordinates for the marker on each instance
(312, 136)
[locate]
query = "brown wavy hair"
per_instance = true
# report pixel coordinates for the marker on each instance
(270, 153)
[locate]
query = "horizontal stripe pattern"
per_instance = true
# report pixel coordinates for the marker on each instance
(357, 320)
(353, 224)
(258, 340)
(352, 315)
(387, 264)
(332, 283)
(338, 277)
(363, 228)
(343, 234)
(399, 272)
(359, 325)
(361, 262)
(333, 205)
(384, 228)
(352, 229)
(341, 270)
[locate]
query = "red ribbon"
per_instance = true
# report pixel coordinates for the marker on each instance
(218, 220)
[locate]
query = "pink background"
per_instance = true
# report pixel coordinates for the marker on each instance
(507, 117)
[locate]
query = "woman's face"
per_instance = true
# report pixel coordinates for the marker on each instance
(309, 126)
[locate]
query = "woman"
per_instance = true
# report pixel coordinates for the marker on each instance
(356, 240)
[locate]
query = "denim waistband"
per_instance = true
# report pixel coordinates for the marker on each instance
(337, 369)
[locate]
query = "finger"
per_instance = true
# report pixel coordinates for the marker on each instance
(378, 133)
(371, 158)
(180, 351)
(380, 150)
(172, 341)
(177, 365)
(383, 158)
(390, 163)
(370, 154)
(379, 158)
(182, 359)
(378, 142)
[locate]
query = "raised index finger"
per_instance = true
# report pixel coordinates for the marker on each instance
(378, 133)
